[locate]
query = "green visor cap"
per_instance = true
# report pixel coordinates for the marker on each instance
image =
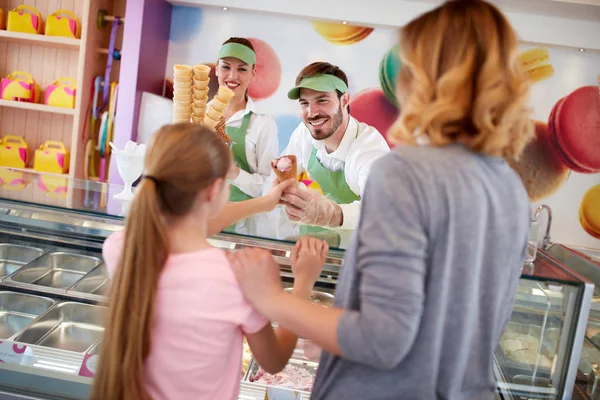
(239, 51)
(320, 83)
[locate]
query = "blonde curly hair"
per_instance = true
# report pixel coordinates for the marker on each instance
(460, 81)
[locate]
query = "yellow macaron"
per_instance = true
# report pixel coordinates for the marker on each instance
(536, 64)
(589, 211)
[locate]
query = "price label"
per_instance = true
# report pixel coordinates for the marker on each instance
(13, 353)
(88, 366)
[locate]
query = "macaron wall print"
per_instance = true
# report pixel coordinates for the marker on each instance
(268, 71)
(558, 167)
(575, 129)
(388, 72)
(539, 167)
(341, 34)
(372, 107)
(589, 211)
(536, 64)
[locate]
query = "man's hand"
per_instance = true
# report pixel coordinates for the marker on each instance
(310, 208)
(276, 191)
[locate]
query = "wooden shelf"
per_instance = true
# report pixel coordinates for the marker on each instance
(40, 40)
(37, 107)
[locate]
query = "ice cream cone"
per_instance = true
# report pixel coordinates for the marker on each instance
(200, 93)
(201, 71)
(225, 94)
(199, 103)
(182, 69)
(285, 175)
(209, 122)
(214, 114)
(198, 112)
(200, 84)
(197, 120)
(218, 104)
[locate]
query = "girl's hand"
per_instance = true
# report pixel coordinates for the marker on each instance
(308, 257)
(276, 191)
(257, 274)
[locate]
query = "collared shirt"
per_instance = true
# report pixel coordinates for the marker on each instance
(360, 147)
(262, 145)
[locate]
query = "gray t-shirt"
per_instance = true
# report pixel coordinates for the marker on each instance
(429, 279)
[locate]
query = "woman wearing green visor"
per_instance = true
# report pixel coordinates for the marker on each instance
(254, 134)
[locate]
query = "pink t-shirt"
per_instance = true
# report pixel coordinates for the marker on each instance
(200, 319)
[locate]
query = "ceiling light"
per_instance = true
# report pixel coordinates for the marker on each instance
(345, 22)
(225, 8)
(582, 50)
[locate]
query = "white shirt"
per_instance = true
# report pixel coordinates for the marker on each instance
(262, 145)
(360, 147)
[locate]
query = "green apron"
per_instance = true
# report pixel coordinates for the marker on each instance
(333, 185)
(238, 135)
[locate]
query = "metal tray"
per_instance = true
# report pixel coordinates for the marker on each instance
(17, 310)
(55, 270)
(75, 327)
(307, 366)
(318, 297)
(94, 283)
(13, 257)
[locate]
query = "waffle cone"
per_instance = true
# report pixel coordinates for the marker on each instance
(284, 176)
(221, 130)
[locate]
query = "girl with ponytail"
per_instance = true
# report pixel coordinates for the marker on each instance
(177, 316)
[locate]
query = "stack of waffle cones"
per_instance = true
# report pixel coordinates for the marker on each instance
(182, 93)
(200, 83)
(218, 106)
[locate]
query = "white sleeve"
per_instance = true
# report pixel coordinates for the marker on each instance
(267, 145)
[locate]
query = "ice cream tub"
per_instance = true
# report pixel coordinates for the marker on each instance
(297, 375)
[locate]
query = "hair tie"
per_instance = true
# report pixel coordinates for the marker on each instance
(151, 178)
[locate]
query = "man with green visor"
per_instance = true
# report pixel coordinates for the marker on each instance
(332, 147)
(254, 134)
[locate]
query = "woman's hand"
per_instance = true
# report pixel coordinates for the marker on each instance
(257, 274)
(308, 257)
(276, 191)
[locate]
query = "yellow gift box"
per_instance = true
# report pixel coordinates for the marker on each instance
(62, 93)
(63, 23)
(2, 22)
(19, 85)
(52, 157)
(14, 152)
(25, 19)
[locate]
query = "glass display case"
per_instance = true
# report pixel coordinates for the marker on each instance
(54, 286)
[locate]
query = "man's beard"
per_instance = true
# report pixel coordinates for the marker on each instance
(336, 121)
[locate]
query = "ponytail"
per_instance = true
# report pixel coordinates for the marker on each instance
(126, 342)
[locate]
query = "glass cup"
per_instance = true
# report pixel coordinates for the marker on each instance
(532, 242)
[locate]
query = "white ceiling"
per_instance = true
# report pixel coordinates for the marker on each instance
(586, 10)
